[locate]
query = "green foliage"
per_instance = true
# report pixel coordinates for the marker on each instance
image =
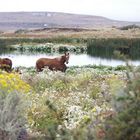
(46, 122)
(84, 103)
(74, 100)
(49, 48)
(7, 42)
(125, 125)
(95, 90)
(105, 48)
(12, 119)
(13, 105)
(95, 47)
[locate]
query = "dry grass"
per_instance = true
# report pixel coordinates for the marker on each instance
(71, 33)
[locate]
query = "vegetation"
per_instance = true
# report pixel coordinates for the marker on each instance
(85, 103)
(11, 41)
(93, 102)
(133, 26)
(50, 48)
(67, 100)
(126, 101)
(13, 105)
(105, 48)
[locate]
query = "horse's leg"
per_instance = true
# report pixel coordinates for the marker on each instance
(5, 68)
(51, 68)
(64, 68)
(39, 69)
(9, 68)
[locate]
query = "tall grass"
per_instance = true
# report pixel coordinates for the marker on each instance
(106, 47)
(11, 41)
(95, 47)
(111, 42)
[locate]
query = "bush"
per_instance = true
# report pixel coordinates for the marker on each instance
(133, 26)
(13, 105)
(12, 118)
(10, 82)
(126, 101)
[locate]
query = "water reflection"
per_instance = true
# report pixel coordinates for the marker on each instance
(105, 48)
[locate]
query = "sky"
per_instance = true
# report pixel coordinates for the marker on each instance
(126, 10)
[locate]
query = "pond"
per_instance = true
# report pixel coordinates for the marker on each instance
(29, 59)
(94, 52)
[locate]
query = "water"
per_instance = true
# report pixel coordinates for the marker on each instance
(29, 59)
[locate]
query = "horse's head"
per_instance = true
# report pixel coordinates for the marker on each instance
(65, 58)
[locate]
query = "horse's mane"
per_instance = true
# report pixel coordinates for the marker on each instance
(58, 58)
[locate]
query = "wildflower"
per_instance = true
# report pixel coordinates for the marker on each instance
(86, 118)
(93, 110)
(11, 82)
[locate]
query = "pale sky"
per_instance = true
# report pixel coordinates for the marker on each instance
(127, 10)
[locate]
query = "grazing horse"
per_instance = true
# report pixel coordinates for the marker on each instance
(6, 64)
(54, 63)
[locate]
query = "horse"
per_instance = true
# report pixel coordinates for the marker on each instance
(53, 64)
(6, 64)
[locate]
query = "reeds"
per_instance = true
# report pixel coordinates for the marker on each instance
(105, 47)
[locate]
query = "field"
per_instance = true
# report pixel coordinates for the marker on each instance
(84, 103)
(84, 33)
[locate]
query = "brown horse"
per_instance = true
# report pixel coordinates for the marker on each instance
(6, 64)
(54, 63)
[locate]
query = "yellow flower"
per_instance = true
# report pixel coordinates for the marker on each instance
(3, 83)
(1, 76)
(94, 109)
(12, 82)
(86, 118)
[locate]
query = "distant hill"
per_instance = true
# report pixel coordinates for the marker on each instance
(35, 20)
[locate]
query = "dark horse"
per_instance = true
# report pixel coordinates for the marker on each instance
(6, 64)
(54, 63)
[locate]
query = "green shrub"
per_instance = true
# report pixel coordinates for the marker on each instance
(125, 124)
(105, 48)
(12, 117)
(133, 26)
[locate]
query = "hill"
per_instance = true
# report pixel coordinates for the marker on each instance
(35, 20)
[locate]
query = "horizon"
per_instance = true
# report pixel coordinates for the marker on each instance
(126, 10)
